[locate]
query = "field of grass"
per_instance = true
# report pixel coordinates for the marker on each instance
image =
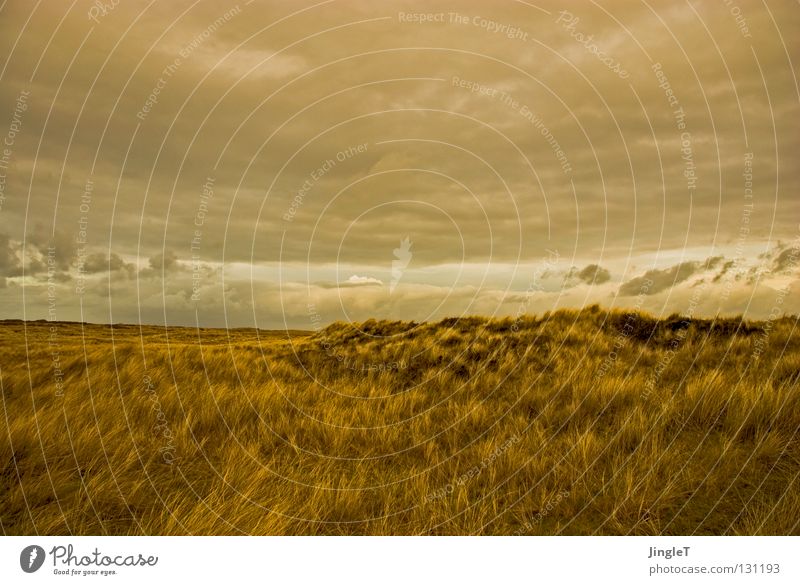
(575, 422)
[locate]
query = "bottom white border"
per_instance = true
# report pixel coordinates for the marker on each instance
(402, 560)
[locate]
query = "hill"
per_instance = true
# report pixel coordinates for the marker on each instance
(574, 422)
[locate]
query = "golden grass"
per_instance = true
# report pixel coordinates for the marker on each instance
(577, 422)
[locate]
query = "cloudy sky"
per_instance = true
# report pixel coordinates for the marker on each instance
(291, 163)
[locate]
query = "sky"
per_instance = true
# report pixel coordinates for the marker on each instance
(289, 164)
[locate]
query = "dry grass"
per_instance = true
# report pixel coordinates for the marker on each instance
(572, 423)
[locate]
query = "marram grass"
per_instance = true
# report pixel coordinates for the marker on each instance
(576, 422)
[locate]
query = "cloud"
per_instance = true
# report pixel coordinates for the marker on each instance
(166, 261)
(99, 262)
(654, 281)
(593, 274)
(724, 270)
(465, 174)
(44, 254)
(9, 263)
(57, 246)
(356, 280)
(712, 262)
(590, 274)
(786, 260)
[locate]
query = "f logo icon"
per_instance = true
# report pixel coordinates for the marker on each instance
(31, 558)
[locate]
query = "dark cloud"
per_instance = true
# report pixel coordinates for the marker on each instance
(9, 263)
(786, 260)
(42, 258)
(724, 270)
(655, 281)
(593, 274)
(712, 262)
(468, 177)
(100, 262)
(754, 274)
(579, 115)
(166, 261)
(590, 274)
(57, 247)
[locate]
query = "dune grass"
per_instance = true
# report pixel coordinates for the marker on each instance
(575, 422)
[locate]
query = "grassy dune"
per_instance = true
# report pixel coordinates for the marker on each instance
(570, 423)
